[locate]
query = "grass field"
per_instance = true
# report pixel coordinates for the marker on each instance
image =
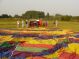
(11, 23)
(66, 25)
(37, 43)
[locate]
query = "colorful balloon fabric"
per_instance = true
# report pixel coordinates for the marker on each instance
(60, 44)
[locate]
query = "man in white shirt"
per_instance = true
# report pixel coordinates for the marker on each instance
(18, 24)
(22, 23)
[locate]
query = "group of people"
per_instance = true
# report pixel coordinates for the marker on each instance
(35, 23)
(22, 23)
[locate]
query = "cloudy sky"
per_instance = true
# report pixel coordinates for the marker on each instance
(70, 7)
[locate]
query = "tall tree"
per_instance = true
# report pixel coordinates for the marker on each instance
(33, 14)
(17, 16)
(66, 18)
(5, 16)
(47, 16)
(58, 17)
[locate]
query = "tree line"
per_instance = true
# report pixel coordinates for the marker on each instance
(40, 14)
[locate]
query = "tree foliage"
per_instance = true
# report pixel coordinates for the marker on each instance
(33, 14)
(40, 14)
(17, 16)
(5, 16)
(66, 18)
(47, 16)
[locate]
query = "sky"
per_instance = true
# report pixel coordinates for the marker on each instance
(64, 7)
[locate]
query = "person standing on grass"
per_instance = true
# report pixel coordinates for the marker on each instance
(26, 22)
(56, 23)
(22, 23)
(18, 24)
(46, 24)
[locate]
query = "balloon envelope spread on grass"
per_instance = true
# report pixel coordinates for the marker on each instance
(41, 49)
(66, 55)
(36, 45)
(33, 47)
(6, 48)
(73, 47)
(30, 49)
(39, 57)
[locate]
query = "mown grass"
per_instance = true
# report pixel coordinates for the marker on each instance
(66, 25)
(70, 25)
(8, 22)
(11, 23)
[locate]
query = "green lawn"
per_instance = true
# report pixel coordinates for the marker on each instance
(70, 25)
(11, 23)
(8, 23)
(66, 25)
